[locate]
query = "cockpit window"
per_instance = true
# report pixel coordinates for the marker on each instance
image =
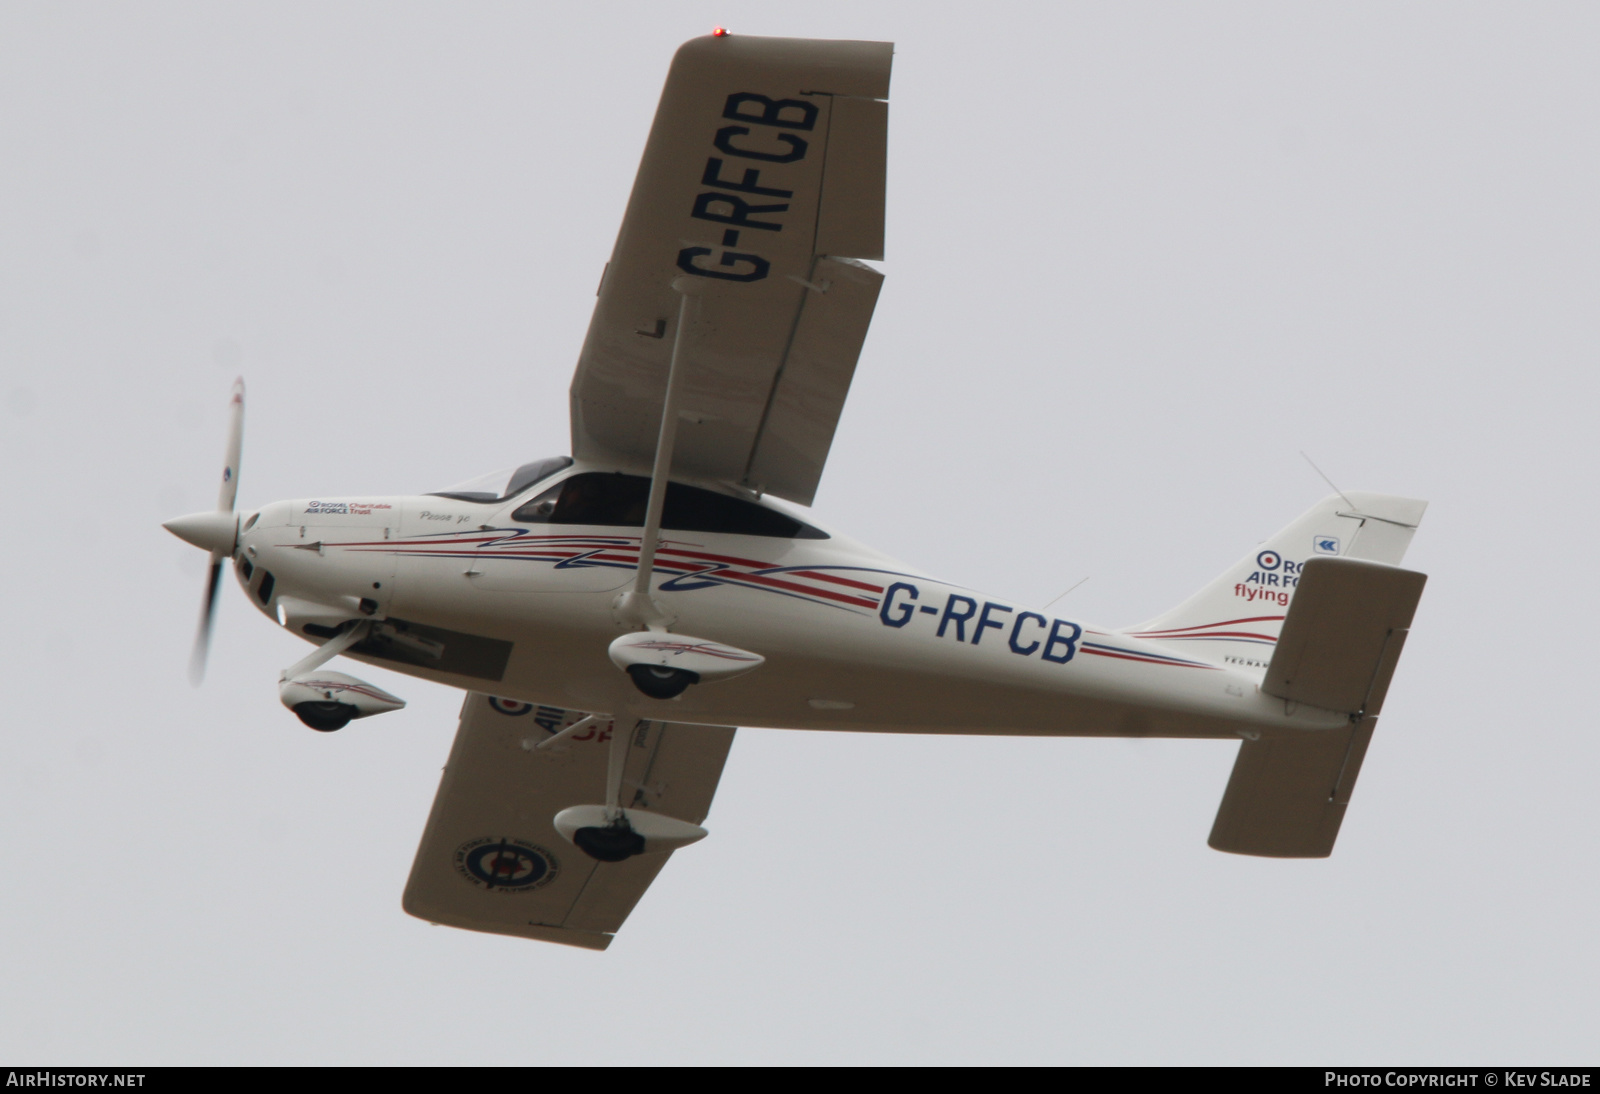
(488, 488)
(607, 498)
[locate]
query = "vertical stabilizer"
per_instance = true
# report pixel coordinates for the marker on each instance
(1237, 618)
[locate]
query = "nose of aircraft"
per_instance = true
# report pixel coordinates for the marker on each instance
(213, 531)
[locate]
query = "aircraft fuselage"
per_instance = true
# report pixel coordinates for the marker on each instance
(464, 595)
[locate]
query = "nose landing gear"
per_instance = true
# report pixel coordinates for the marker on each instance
(325, 717)
(327, 701)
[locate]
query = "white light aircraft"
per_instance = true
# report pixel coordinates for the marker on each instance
(613, 614)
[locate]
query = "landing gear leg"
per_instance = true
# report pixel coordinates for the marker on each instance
(615, 840)
(610, 833)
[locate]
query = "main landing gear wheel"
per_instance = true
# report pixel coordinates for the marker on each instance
(610, 844)
(325, 717)
(660, 682)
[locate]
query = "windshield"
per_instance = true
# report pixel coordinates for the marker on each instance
(505, 484)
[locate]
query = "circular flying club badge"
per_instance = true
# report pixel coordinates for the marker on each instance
(506, 865)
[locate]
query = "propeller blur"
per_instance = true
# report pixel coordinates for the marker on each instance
(216, 532)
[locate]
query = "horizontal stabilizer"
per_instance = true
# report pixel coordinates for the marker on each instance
(1287, 796)
(1343, 634)
(1341, 639)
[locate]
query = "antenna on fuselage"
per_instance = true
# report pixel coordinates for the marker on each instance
(1080, 581)
(1327, 480)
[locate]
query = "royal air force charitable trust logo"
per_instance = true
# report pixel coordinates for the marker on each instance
(506, 865)
(1272, 579)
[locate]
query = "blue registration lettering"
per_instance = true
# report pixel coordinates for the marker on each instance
(740, 267)
(724, 142)
(729, 209)
(1016, 632)
(751, 184)
(959, 619)
(1067, 642)
(889, 605)
(985, 621)
(784, 113)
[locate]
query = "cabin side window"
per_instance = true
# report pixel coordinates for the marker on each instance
(610, 499)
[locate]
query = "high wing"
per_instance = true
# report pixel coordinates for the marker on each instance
(761, 184)
(491, 859)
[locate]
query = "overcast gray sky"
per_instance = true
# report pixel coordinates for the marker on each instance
(1139, 256)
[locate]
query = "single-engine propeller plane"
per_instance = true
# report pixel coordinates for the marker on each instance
(614, 613)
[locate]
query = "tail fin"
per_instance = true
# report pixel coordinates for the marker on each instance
(1288, 792)
(1237, 618)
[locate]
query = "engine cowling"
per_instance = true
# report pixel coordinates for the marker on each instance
(327, 701)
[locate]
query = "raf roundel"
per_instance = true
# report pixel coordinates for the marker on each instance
(1269, 560)
(509, 707)
(506, 865)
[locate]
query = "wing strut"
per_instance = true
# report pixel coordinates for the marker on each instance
(637, 606)
(582, 723)
(663, 666)
(616, 758)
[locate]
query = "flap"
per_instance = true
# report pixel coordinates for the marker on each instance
(809, 391)
(765, 158)
(491, 859)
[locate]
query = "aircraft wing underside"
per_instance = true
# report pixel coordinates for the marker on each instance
(491, 859)
(761, 183)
